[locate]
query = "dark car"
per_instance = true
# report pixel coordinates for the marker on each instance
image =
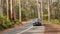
(37, 22)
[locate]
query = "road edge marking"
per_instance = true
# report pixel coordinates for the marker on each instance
(25, 30)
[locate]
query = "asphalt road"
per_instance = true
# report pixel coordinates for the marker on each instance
(27, 26)
(35, 30)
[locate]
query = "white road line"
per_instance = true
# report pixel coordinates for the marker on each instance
(25, 30)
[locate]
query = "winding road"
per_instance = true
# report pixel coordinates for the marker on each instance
(28, 28)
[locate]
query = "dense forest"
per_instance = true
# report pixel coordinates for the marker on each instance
(15, 11)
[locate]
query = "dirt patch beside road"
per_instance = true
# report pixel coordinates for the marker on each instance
(52, 29)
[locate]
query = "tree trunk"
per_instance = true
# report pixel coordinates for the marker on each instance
(38, 9)
(48, 10)
(7, 9)
(20, 10)
(13, 12)
(1, 7)
(11, 8)
(42, 10)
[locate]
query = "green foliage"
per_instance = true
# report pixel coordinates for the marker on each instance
(23, 13)
(17, 12)
(55, 21)
(7, 23)
(1, 27)
(17, 21)
(29, 9)
(4, 23)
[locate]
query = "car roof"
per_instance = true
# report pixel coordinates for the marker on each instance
(37, 20)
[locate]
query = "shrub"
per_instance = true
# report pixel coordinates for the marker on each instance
(17, 21)
(4, 23)
(1, 28)
(55, 21)
(7, 24)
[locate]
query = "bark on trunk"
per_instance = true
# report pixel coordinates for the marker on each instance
(1, 7)
(48, 10)
(19, 11)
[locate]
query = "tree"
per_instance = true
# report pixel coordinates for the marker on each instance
(10, 12)
(7, 9)
(1, 7)
(42, 10)
(38, 9)
(48, 10)
(19, 10)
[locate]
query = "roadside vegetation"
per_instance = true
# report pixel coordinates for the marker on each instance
(21, 10)
(4, 23)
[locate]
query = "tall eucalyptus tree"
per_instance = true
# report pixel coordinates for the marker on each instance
(38, 8)
(7, 9)
(20, 10)
(48, 10)
(42, 10)
(1, 7)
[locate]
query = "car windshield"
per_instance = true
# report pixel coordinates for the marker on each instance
(37, 20)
